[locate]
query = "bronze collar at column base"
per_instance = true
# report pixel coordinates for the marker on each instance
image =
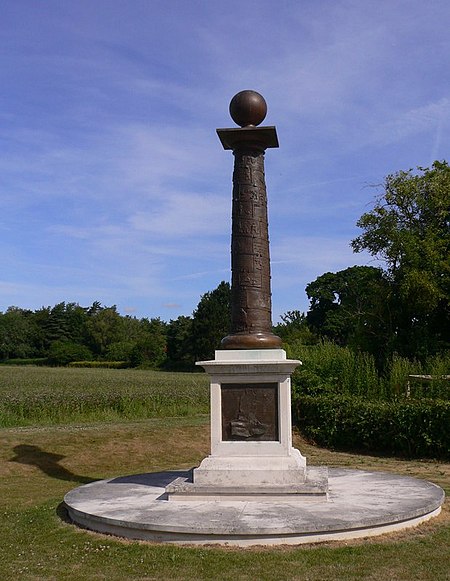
(251, 341)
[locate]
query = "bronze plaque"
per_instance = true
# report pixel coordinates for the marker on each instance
(250, 412)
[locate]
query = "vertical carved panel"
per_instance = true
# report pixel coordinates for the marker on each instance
(250, 261)
(250, 412)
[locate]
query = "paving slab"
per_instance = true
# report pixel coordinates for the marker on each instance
(359, 504)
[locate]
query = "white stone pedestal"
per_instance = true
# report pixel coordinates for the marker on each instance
(255, 465)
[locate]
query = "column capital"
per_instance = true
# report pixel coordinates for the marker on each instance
(260, 137)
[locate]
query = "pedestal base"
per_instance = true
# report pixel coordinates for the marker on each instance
(251, 432)
(257, 471)
(314, 486)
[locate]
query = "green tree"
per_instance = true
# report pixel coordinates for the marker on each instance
(140, 342)
(103, 325)
(351, 307)
(52, 325)
(76, 321)
(64, 352)
(211, 321)
(18, 333)
(131, 328)
(63, 322)
(120, 351)
(179, 345)
(294, 328)
(151, 346)
(409, 229)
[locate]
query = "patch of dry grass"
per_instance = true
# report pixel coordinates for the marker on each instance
(39, 465)
(35, 461)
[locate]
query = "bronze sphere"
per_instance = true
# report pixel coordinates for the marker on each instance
(248, 108)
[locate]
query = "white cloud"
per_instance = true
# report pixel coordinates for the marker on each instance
(430, 117)
(299, 260)
(315, 253)
(185, 214)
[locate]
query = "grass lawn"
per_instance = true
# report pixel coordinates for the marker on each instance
(60, 428)
(39, 464)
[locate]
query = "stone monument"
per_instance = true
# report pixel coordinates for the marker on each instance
(251, 432)
(254, 487)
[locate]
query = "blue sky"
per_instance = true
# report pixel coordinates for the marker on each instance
(113, 184)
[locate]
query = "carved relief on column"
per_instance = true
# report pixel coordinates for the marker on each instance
(251, 306)
(251, 302)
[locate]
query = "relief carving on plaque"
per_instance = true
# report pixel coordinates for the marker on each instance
(250, 412)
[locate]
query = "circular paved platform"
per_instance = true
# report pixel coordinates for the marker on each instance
(359, 504)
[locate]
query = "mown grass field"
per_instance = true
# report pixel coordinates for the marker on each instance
(39, 463)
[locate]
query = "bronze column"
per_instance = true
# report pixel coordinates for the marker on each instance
(251, 308)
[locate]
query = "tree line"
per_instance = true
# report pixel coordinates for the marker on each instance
(400, 307)
(68, 332)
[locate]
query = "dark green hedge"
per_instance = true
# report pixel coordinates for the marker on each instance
(416, 428)
(100, 364)
(28, 361)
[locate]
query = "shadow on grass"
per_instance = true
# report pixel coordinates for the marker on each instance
(63, 513)
(47, 463)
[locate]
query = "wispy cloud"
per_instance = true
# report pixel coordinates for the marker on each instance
(181, 215)
(432, 117)
(299, 260)
(114, 186)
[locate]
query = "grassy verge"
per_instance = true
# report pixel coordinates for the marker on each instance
(48, 395)
(39, 464)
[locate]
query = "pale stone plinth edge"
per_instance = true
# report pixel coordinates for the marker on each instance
(361, 504)
(244, 541)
